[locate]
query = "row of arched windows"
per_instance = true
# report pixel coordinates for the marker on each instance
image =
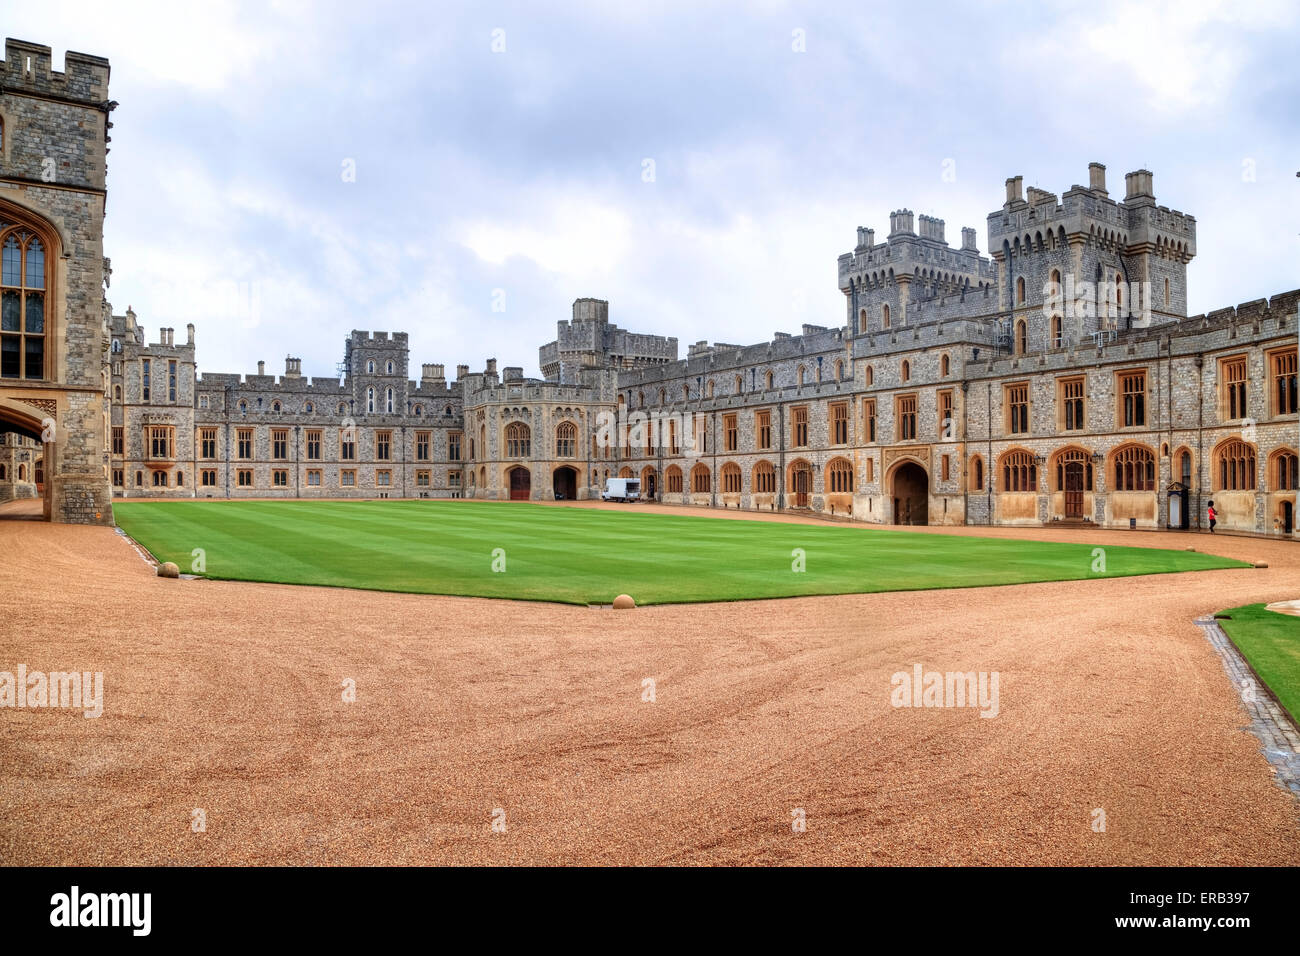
(1132, 467)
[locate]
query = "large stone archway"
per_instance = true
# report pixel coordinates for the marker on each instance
(564, 483)
(15, 421)
(910, 487)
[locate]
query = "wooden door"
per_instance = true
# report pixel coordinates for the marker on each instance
(1074, 489)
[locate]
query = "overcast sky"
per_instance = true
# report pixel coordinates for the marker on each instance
(517, 176)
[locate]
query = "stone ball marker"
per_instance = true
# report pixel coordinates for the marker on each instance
(168, 570)
(623, 602)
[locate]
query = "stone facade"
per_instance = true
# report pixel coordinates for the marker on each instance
(53, 164)
(1057, 379)
(961, 390)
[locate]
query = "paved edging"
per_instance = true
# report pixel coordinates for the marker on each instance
(1278, 735)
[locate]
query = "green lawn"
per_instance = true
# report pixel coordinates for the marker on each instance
(581, 556)
(585, 556)
(1271, 643)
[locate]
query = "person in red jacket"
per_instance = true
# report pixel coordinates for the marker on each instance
(1213, 516)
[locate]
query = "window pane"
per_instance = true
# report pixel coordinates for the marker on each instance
(35, 358)
(9, 356)
(35, 265)
(12, 258)
(35, 312)
(9, 312)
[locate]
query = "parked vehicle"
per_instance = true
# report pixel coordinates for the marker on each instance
(621, 489)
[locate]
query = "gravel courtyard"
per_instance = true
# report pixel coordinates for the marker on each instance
(227, 697)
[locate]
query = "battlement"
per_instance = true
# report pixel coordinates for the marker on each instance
(360, 338)
(28, 67)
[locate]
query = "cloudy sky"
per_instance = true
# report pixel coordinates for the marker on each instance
(282, 173)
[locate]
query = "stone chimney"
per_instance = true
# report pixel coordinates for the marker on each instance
(292, 367)
(462, 371)
(491, 367)
(261, 368)
(1138, 185)
(968, 239)
(1097, 178)
(1015, 189)
(900, 221)
(189, 330)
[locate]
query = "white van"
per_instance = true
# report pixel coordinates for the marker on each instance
(621, 489)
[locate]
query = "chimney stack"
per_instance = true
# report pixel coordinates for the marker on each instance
(189, 329)
(1138, 184)
(461, 371)
(1097, 178)
(261, 368)
(1014, 186)
(491, 366)
(292, 367)
(968, 239)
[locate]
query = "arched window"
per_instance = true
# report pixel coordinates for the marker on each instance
(1056, 283)
(1069, 457)
(342, 407)
(767, 379)
(686, 392)
(370, 399)
(117, 346)
(566, 439)
(740, 384)
(764, 479)
(1022, 337)
(944, 365)
(871, 375)
(862, 321)
(663, 396)
(673, 480)
(906, 371)
(370, 368)
(884, 316)
(388, 401)
(1185, 468)
(518, 440)
(1234, 466)
(22, 304)
(117, 393)
(1020, 291)
(1135, 468)
(1057, 340)
(839, 476)
(1019, 472)
(1286, 470)
(700, 479)
(839, 370)
(389, 368)
(710, 388)
(798, 376)
(275, 407)
(308, 407)
(243, 407)
(976, 473)
(731, 478)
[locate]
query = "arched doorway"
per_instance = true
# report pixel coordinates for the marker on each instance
(521, 484)
(800, 484)
(19, 424)
(564, 483)
(911, 493)
(1288, 517)
(649, 483)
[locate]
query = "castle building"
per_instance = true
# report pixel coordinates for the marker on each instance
(1057, 380)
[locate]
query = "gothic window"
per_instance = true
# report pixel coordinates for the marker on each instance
(1135, 468)
(518, 440)
(839, 476)
(764, 479)
(388, 401)
(884, 316)
(976, 473)
(1234, 466)
(22, 304)
(1019, 472)
(731, 478)
(566, 439)
(370, 399)
(1022, 337)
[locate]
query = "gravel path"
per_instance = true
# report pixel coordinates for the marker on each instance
(227, 697)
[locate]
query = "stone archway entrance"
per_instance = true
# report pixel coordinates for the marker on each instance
(911, 493)
(564, 482)
(41, 466)
(521, 484)
(801, 482)
(649, 483)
